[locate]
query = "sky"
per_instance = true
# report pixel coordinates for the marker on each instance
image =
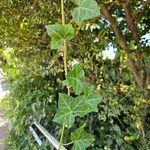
(110, 51)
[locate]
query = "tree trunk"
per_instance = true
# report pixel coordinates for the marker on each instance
(142, 81)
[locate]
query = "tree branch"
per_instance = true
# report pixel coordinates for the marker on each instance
(132, 25)
(123, 44)
(130, 20)
(115, 27)
(135, 71)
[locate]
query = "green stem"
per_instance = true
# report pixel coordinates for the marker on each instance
(62, 12)
(65, 57)
(68, 143)
(62, 135)
(65, 43)
(65, 66)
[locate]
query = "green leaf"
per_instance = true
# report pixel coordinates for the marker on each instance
(70, 107)
(56, 43)
(79, 106)
(92, 99)
(75, 77)
(58, 33)
(133, 45)
(81, 139)
(65, 115)
(64, 100)
(87, 9)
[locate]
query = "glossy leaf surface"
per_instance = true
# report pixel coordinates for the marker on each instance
(81, 139)
(58, 33)
(75, 78)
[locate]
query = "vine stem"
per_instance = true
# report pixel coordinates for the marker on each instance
(65, 67)
(65, 57)
(62, 12)
(62, 135)
(68, 143)
(65, 43)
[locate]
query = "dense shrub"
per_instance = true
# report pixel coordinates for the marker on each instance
(36, 77)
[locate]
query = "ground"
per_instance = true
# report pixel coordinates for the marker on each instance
(3, 129)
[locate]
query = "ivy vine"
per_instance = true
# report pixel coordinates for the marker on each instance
(87, 98)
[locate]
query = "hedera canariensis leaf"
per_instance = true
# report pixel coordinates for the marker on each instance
(70, 107)
(92, 99)
(87, 9)
(79, 106)
(81, 139)
(58, 33)
(75, 79)
(65, 114)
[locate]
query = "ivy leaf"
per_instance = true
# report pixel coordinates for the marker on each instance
(92, 99)
(81, 139)
(87, 9)
(65, 115)
(75, 77)
(70, 107)
(58, 33)
(79, 106)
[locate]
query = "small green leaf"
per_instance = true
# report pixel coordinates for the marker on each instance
(87, 9)
(56, 43)
(75, 78)
(64, 100)
(65, 114)
(92, 99)
(81, 139)
(58, 33)
(79, 106)
(133, 45)
(65, 83)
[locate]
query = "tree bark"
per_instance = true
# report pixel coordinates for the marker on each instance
(123, 44)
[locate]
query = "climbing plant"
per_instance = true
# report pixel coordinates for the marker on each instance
(86, 100)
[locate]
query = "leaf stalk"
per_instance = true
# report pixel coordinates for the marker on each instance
(62, 135)
(65, 66)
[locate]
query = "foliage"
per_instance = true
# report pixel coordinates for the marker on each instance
(36, 72)
(87, 9)
(81, 105)
(81, 139)
(75, 78)
(58, 33)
